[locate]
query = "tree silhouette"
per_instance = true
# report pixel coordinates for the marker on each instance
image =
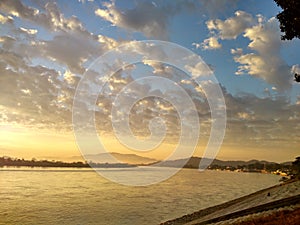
(297, 77)
(296, 168)
(289, 18)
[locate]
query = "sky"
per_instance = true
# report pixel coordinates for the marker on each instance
(46, 47)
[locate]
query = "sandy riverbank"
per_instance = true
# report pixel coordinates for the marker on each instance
(283, 199)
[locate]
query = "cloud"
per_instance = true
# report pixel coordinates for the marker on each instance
(34, 95)
(228, 29)
(71, 50)
(263, 120)
(295, 69)
(29, 31)
(7, 42)
(198, 70)
(153, 18)
(210, 43)
(28, 93)
(65, 49)
(238, 51)
(109, 42)
(264, 37)
(5, 19)
(16, 8)
(231, 27)
(70, 43)
(266, 62)
(31, 93)
(43, 98)
(71, 78)
(84, 1)
(149, 18)
(146, 18)
(49, 17)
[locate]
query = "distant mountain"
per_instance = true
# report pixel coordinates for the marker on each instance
(122, 158)
(193, 162)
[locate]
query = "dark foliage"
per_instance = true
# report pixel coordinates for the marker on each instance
(296, 168)
(289, 18)
(7, 161)
(297, 77)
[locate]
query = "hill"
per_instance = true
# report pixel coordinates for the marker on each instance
(132, 159)
(251, 165)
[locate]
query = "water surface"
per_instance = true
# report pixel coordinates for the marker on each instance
(81, 196)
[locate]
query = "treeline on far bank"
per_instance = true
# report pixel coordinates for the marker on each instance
(255, 167)
(291, 169)
(15, 162)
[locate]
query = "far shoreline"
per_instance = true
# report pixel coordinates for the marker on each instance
(252, 166)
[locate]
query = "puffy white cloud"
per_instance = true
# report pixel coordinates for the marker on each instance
(264, 37)
(295, 69)
(228, 29)
(210, 43)
(31, 93)
(51, 17)
(265, 60)
(231, 27)
(266, 63)
(71, 45)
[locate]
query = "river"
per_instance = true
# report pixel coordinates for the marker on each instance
(82, 196)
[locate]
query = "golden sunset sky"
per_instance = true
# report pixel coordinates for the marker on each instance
(46, 48)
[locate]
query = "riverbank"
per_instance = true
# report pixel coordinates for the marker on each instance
(282, 199)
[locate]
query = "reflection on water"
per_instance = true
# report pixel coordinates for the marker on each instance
(81, 196)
